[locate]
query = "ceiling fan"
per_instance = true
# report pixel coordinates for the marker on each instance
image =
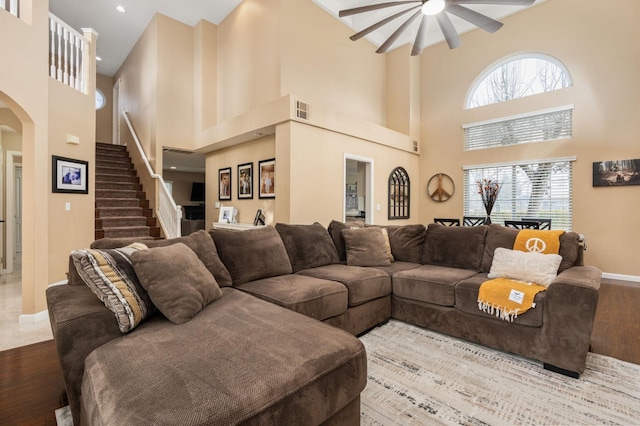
(425, 9)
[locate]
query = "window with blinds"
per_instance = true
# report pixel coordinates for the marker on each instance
(537, 126)
(532, 189)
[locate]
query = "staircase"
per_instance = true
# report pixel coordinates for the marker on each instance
(122, 210)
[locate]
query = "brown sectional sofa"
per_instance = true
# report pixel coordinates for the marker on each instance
(211, 369)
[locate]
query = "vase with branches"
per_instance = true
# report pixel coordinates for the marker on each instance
(488, 190)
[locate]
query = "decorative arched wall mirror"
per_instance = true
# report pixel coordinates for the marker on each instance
(399, 194)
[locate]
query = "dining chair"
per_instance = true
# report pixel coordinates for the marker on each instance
(473, 220)
(544, 223)
(522, 224)
(447, 222)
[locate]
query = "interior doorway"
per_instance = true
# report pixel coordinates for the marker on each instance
(358, 190)
(13, 245)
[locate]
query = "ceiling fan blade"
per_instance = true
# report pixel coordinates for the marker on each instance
(477, 19)
(449, 32)
(379, 24)
(420, 41)
(362, 9)
(501, 2)
(387, 44)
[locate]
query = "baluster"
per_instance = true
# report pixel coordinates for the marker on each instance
(52, 53)
(59, 52)
(81, 65)
(66, 34)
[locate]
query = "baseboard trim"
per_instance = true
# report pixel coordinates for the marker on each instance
(632, 278)
(33, 318)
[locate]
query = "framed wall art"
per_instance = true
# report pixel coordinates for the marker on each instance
(245, 181)
(616, 173)
(224, 184)
(69, 176)
(267, 178)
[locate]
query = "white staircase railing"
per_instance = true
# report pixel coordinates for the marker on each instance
(169, 214)
(68, 54)
(10, 6)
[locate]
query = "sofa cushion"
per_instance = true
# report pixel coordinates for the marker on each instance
(177, 282)
(308, 246)
(430, 283)
(253, 254)
(110, 275)
(569, 250)
(397, 266)
(406, 242)
(466, 295)
(364, 284)
(249, 362)
(365, 247)
(200, 242)
(531, 267)
(454, 246)
(313, 297)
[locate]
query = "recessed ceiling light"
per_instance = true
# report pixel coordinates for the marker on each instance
(257, 134)
(173, 167)
(98, 58)
(120, 8)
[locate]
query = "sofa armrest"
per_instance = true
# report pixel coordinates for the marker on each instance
(80, 323)
(570, 309)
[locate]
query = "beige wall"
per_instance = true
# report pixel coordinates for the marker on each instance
(181, 184)
(250, 152)
(29, 93)
(606, 95)
(104, 116)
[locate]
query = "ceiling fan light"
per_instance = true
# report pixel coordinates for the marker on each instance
(433, 7)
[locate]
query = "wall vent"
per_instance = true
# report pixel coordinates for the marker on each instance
(415, 146)
(302, 110)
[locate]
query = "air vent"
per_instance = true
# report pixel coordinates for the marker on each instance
(302, 110)
(176, 150)
(415, 146)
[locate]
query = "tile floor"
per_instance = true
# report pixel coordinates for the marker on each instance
(12, 333)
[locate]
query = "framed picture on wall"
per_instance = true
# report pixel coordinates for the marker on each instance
(616, 173)
(245, 181)
(69, 176)
(224, 184)
(267, 178)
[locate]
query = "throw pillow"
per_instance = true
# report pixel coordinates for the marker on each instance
(365, 247)
(200, 242)
(110, 275)
(406, 242)
(177, 281)
(308, 246)
(531, 267)
(387, 244)
(253, 254)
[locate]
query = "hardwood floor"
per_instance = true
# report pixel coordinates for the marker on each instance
(31, 385)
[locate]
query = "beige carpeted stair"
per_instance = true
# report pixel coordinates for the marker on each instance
(122, 210)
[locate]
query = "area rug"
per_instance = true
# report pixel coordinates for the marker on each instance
(419, 377)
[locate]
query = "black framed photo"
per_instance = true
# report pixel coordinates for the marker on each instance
(69, 176)
(267, 178)
(245, 181)
(616, 173)
(224, 184)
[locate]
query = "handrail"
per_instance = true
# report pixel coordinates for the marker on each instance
(169, 214)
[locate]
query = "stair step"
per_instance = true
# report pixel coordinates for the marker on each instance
(106, 170)
(113, 155)
(119, 177)
(126, 231)
(132, 186)
(120, 222)
(105, 212)
(116, 193)
(114, 163)
(118, 202)
(110, 147)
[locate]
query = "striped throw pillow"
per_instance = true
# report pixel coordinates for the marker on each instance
(110, 275)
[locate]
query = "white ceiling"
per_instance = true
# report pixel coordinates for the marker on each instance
(118, 32)
(434, 35)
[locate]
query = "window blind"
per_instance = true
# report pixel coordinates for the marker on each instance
(533, 127)
(534, 189)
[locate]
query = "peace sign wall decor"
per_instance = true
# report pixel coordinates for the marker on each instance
(440, 187)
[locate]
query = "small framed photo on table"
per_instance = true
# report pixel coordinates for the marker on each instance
(227, 215)
(69, 176)
(267, 178)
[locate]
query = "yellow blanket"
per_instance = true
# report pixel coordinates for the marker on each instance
(545, 242)
(506, 298)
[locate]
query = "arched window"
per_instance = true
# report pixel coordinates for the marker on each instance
(399, 194)
(100, 99)
(516, 77)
